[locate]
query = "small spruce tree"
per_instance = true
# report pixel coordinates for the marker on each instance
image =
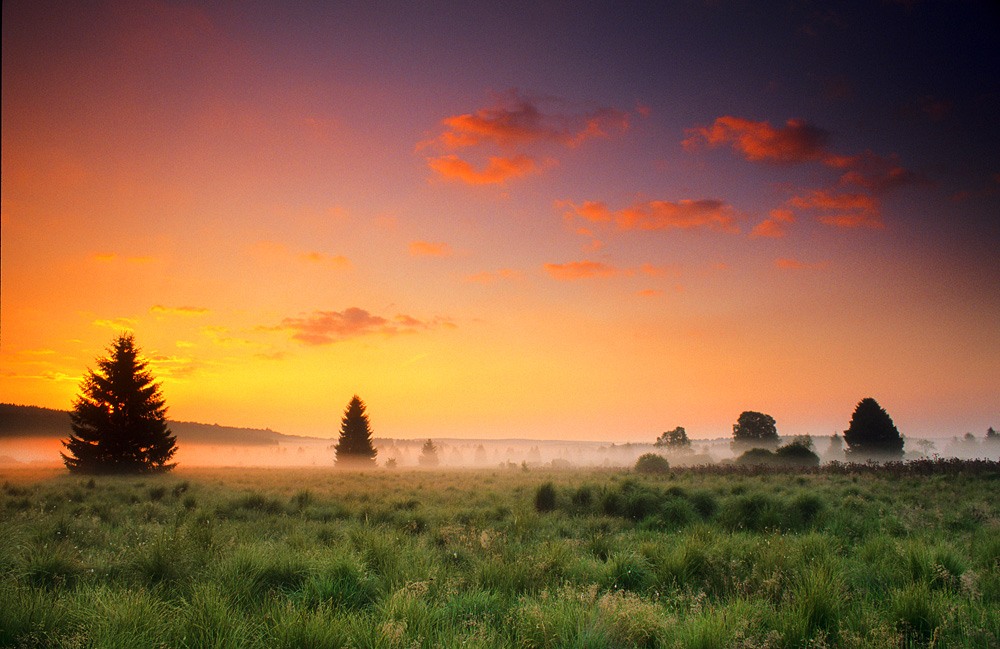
(119, 419)
(428, 454)
(355, 444)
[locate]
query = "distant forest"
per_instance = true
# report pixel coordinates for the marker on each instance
(32, 421)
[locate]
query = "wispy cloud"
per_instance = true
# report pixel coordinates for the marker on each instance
(775, 225)
(519, 120)
(795, 264)
(178, 310)
(581, 270)
(429, 249)
(486, 277)
(796, 141)
(497, 171)
(708, 214)
(327, 327)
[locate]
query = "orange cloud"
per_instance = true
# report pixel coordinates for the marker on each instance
(326, 327)
(659, 271)
(795, 264)
(580, 270)
(649, 292)
(710, 214)
(428, 249)
(519, 121)
(339, 261)
(797, 141)
(178, 310)
(486, 277)
(498, 171)
(825, 200)
(774, 225)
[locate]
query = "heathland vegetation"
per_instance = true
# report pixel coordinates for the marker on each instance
(897, 555)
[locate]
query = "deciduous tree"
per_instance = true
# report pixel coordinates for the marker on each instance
(755, 429)
(674, 440)
(119, 419)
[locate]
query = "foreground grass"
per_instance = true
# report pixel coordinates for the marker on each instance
(314, 558)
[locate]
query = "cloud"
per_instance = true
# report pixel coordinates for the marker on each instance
(517, 121)
(580, 270)
(337, 261)
(428, 249)
(326, 327)
(178, 310)
(709, 214)
(498, 171)
(278, 253)
(775, 224)
(649, 292)
(795, 264)
(875, 173)
(659, 271)
(486, 277)
(118, 324)
(797, 141)
(841, 210)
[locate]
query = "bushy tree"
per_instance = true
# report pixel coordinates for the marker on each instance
(119, 419)
(871, 433)
(355, 444)
(428, 454)
(755, 429)
(652, 463)
(674, 440)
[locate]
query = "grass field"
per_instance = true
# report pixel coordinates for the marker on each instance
(502, 558)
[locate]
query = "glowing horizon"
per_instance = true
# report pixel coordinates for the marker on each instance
(539, 224)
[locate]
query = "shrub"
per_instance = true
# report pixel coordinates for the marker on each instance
(651, 463)
(796, 454)
(545, 497)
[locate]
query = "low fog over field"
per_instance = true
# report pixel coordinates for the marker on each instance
(33, 435)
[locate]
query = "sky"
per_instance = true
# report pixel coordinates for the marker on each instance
(589, 220)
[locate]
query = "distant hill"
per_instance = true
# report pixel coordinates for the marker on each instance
(32, 421)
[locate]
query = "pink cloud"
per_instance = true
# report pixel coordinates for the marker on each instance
(326, 327)
(486, 277)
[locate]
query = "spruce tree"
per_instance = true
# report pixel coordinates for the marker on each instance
(119, 419)
(355, 444)
(428, 454)
(871, 433)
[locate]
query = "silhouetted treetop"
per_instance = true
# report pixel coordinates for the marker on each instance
(871, 433)
(119, 419)
(355, 443)
(755, 429)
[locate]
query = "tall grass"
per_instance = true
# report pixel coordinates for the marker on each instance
(689, 558)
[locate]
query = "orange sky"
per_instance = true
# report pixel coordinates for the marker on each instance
(542, 224)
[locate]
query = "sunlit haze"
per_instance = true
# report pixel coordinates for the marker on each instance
(559, 221)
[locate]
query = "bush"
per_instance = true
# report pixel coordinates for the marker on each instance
(545, 498)
(651, 463)
(796, 454)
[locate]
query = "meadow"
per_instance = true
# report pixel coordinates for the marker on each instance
(315, 558)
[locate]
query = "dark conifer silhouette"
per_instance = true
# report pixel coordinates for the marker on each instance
(428, 454)
(871, 433)
(355, 444)
(119, 419)
(755, 429)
